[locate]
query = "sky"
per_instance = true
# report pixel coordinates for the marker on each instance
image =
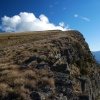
(37, 15)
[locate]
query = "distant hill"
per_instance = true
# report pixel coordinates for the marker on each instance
(97, 55)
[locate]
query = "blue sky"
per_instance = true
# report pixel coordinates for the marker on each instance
(33, 15)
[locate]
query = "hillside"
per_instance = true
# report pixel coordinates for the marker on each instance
(96, 55)
(47, 65)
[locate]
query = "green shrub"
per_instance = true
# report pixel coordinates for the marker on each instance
(79, 63)
(77, 46)
(84, 71)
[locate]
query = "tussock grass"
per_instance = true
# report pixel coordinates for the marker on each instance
(30, 75)
(8, 67)
(45, 72)
(4, 90)
(30, 84)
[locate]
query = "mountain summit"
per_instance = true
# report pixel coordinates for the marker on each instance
(47, 65)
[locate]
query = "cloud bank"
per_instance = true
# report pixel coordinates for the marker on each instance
(28, 22)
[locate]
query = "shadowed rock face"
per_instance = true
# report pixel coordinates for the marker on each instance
(84, 97)
(61, 62)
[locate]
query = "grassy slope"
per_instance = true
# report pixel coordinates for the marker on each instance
(18, 47)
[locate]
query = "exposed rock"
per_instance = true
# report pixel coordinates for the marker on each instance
(41, 94)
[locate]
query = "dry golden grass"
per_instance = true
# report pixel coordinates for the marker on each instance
(14, 73)
(30, 84)
(19, 81)
(51, 82)
(45, 72)
(77, 89)
(30, 74)
(29, 37)
(19, 93)
(25, 37)
(4, 90)
(4, 72)
(8, 67)
(3, 87)
(9, 76)
(75, 71)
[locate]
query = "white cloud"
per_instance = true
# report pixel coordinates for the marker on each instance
(50, 6)
(28, 22)
(85, 18)
(61, 24)
(51, 13)
(56, 2)
(64, 8)
(76, 15)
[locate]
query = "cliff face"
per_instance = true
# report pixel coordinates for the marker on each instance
(49, 65)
